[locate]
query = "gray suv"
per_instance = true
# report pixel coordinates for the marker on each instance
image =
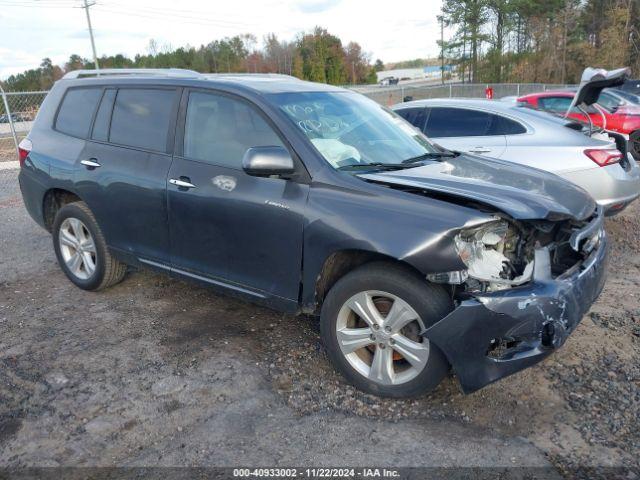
(313, 199)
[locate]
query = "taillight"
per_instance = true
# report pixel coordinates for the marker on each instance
(603, 157)
(24, 149)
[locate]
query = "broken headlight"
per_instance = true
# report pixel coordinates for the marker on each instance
(490, 253)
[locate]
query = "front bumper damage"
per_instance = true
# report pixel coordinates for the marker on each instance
(495, 334)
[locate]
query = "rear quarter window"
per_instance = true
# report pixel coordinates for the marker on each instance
(141, 118)
(76, 112)
(555, 104)
(505, 126)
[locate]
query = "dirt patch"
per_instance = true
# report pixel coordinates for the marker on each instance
(156, 371)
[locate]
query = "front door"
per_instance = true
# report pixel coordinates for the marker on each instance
(230, 227)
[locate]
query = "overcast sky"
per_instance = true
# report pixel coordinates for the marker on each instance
(33, 29)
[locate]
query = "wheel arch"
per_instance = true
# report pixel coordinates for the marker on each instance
(337, 265)
(53, 200)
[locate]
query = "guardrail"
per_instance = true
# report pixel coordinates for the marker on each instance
(18, 109)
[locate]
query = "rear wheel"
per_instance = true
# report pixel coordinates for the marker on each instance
(371, 325)
(634, 144)
(82, 251)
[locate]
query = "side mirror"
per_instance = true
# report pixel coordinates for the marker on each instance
(267, 161)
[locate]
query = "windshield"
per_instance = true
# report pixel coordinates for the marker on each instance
(350, 130)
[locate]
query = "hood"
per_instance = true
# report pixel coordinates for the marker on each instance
(594, 80)
(522, 192)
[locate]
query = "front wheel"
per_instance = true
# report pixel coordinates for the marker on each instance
(371, 324)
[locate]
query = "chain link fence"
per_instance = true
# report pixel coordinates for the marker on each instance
(17, 112)
(18, 109)
(397, 93)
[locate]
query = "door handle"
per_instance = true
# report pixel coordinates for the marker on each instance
(480, 150)
(90, 163)
(181, 183)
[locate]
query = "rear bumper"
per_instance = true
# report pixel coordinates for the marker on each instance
(612, 187)
(32, 195)
(526, 323)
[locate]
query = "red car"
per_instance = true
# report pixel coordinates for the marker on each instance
(612, 112)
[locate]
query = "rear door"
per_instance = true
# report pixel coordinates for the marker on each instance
(465, 130)
(227, 227)
(122, 171)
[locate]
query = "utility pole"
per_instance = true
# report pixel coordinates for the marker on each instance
(441, 18)
(93, 43)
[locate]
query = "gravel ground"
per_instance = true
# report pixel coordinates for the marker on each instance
(159, 372)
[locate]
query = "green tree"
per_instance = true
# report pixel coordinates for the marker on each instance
(323, 58)
(470, 16)
(75, 62)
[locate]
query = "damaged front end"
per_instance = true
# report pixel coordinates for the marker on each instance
(526, 287)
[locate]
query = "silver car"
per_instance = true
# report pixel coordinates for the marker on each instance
(513, 132)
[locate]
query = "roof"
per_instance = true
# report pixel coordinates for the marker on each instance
(513, 109)
(258, 82)
(480, 103)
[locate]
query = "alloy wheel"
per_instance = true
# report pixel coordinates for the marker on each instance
(379, 334)
(77, 248)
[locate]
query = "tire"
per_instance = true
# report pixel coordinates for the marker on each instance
(82, 250)
(377, 284)
(634, 145)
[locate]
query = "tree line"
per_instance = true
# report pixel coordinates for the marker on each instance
(549, 41)
(317, 56)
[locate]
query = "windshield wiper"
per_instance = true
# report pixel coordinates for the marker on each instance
(378, 165)
(427, 156)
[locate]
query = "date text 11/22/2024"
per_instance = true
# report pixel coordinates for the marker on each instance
(316, 473)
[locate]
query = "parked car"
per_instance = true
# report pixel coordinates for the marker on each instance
(4, 118)
(509, 131)
(386, 81)
(630, 97)
(309, 198)
(631, 86)
(612, 112)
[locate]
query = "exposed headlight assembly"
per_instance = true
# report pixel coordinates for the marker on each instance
(484, 251)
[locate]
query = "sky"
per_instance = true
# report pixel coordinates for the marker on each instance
(31, 30)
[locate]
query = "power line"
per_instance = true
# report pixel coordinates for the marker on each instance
(198, 14)
(154, 13)
(172, 18)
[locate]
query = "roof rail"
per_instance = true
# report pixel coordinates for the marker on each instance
(250, 75)
(167, 72)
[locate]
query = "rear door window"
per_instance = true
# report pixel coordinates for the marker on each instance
(76, 112)
(141, 118)
(415, 116)
(219, 130)
(103, 117)
(457, 122)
